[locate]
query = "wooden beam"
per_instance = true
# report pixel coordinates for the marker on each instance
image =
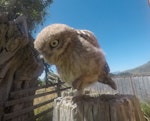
(24, 91)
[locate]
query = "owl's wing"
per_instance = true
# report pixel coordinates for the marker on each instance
(89, 36)
(106, 79)
(106, 68)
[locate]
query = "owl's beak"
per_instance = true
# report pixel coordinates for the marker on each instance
(41, 57)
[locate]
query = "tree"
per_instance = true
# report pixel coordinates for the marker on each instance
(20, 65)
(34, 10)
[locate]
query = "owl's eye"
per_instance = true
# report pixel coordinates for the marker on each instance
(54, 43)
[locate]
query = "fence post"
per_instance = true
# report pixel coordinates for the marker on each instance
(98, 108)
(58, 89)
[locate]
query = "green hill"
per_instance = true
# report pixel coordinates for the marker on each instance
(143, 69)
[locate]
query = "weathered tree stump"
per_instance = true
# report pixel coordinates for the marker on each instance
(98, 108)
(19, 68)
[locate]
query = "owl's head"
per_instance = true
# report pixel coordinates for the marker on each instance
(54, 41)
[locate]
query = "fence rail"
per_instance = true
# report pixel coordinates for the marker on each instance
(50, 92)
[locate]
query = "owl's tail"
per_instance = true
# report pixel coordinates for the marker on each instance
(107, 80)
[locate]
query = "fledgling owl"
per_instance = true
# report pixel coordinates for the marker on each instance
(76, 54)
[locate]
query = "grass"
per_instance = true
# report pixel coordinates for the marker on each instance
(145, 106)
(48, 116)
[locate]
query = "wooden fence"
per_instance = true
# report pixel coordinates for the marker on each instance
(138, 85)
(45, 95)
(49, 92)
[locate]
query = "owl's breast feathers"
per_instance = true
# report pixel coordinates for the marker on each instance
(82, 61)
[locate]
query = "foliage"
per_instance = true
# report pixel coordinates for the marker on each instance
(146, 109)
(41, 82)
(34, 10)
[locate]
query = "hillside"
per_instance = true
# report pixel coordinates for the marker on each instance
(143, 69)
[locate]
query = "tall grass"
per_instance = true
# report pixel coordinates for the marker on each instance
(145, 106)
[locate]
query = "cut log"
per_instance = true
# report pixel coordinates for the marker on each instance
(97, 108)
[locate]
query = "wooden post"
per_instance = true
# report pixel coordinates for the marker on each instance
(98, 108)
(58, 90)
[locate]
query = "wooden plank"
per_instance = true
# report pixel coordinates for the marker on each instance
(138, 88)
(26, 110)
(134, 82)
(120, 85)
(26, 99)
(132, 86)
(142, 88)
(23, 91)
(123, 85)
(148, 85)
(128, 87)
(146, 88)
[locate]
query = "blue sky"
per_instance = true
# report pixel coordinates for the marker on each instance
(122, 27)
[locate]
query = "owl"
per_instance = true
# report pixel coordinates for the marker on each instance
(77, 55)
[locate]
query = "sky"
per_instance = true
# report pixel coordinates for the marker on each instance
(122, 27)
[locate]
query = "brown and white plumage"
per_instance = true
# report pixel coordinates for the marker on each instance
(76, 54)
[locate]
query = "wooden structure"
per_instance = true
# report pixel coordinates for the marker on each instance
(138, 85)
(50, 92)
(19, 67)
(98, 108)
